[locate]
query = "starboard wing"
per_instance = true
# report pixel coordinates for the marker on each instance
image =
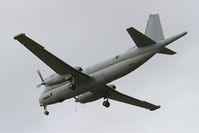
(115, 95)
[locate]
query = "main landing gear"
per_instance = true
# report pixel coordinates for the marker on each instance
(106, 103)
(45, 110)
(72, 85)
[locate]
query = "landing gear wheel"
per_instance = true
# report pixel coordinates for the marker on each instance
(46, 112)
(72, 86)
(106, 104)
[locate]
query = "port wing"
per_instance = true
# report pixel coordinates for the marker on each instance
(48, 58)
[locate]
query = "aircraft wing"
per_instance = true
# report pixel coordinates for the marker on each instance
(115, 95)
(52, 61)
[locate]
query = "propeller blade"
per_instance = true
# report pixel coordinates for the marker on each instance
(39, 73)
(40, 85)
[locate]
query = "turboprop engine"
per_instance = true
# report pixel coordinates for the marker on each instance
(56, 78)
(90, 96)
(87, 97)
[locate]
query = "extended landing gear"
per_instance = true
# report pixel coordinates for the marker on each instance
(72, 85)
(106, 103)
(45, 110)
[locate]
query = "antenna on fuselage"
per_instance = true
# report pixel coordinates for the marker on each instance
(39, 73)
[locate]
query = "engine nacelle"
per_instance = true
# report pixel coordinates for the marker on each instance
(56, 79)
(87, 97)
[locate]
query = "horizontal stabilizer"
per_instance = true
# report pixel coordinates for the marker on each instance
(167, 51)
(172, 39)
(140, 39)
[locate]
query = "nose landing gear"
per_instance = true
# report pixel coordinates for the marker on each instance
(45, 110)
(106, 103)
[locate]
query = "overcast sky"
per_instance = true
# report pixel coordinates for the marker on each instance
(82, 33)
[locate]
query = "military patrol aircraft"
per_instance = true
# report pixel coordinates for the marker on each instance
(90, 84)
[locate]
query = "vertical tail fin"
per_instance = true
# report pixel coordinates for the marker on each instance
(154, 28)
(155, 32)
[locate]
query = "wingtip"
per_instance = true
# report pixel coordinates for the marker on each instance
(17, 36)
(157, 107)
(129, 28)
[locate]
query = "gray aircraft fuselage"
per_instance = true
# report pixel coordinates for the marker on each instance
(105, 72)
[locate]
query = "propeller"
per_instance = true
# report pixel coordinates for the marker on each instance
(39, 73)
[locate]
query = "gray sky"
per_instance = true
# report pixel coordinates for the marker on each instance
(83, 33)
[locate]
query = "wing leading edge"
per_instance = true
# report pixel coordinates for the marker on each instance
(115, 95)
(48, 58)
